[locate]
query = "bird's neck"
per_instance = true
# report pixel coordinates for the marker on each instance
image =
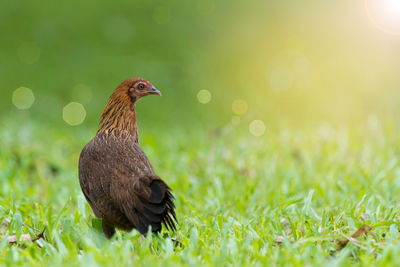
(119, 117)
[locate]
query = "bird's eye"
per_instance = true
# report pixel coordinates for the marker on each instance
(141, 86)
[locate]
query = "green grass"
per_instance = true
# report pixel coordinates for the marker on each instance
(286, 198)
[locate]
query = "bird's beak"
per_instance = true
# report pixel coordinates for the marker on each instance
(154, 91)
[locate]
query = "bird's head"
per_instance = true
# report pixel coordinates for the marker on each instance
(119, 112)
(137, 88)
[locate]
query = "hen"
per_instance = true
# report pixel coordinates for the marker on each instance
(115, 175)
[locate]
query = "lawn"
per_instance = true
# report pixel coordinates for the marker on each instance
(277, 129)
(290, 197)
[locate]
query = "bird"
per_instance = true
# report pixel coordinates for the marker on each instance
(115, 175)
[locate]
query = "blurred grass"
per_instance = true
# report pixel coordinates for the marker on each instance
(236, 196)
(335, 67)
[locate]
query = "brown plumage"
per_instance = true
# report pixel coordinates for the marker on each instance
(115, 175)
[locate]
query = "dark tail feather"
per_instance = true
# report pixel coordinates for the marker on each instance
(157, 191)
(156, 208)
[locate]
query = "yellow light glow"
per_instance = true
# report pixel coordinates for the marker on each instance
(23, 98)
(74, 114)
(257, 128)
(281, 79)
(301, 64)
(385, 14)
(204, 96)
(239, 106)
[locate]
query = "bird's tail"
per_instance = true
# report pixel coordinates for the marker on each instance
(156, 206)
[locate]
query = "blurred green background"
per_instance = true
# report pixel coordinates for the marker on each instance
(317, 81)
(290, 61)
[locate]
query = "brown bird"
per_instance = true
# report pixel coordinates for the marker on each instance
(115, 175)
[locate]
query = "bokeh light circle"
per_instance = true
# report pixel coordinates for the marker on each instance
(23, 98)
(301, 64)
(257, 128)
(385, 14)
(204, 96)
(74, 114)
(239, 107)
(281, 79)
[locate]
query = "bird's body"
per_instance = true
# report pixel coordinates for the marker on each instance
(115, 175)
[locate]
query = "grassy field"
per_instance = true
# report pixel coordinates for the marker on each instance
(290, 197)
(320, 187)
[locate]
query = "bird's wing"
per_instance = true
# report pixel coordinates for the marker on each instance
(146, 201)
(95, 180)
(127, 178)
